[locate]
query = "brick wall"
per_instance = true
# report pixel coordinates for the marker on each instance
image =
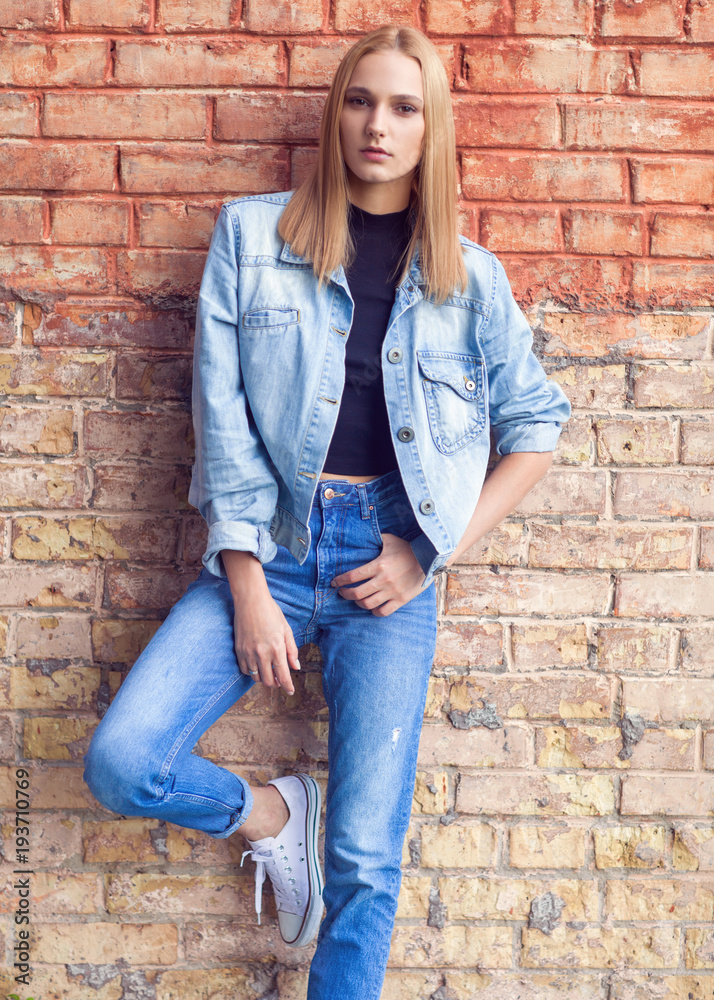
(562, 835)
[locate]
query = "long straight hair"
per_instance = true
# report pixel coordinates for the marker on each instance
(315, 220)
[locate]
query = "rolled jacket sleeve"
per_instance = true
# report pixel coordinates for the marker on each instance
(526, 410)
(233, 483)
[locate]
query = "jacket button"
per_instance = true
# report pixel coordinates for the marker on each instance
(405, 434)
(427, 506)
(395, 355)
(470, 384)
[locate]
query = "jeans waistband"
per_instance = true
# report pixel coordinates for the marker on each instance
(342, 493)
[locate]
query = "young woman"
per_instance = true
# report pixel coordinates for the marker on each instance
(353, 357)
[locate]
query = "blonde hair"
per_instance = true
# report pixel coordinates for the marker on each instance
(315, 220)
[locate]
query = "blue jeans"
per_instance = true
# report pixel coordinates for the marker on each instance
(375, 676)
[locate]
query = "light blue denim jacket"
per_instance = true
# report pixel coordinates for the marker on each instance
(269, 371)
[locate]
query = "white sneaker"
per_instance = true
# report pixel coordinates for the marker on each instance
(291, 861)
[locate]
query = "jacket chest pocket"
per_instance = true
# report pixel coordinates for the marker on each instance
(455, 399)
(271, 320)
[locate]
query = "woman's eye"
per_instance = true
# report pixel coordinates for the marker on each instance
(357, 101)
(406, 108)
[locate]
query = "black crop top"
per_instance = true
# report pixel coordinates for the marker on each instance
(362, 442)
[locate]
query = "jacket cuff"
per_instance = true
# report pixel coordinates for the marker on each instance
(541, 436)
(238, 535)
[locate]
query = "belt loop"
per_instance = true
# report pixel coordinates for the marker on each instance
(363, 505)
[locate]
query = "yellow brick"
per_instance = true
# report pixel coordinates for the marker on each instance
(51, 738)
(158, 893)
(646, 986)
(292, 985)
(53, 538)
(3, 635)
(121, 641)
(693, 849)
(600, 947)
(414, 897)
(186, 846)
(510, 898)
(431, 793)
(405, 985)
(106, 943)
(458, 845)
(660, 899)
(54, 982)
(70, 687)
(699, 948)
(121, 840)
(208, 984)
(546, 847)
(524, 985)
(418, 947)
(630, 847)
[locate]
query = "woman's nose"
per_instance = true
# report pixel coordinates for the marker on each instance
(376, 123)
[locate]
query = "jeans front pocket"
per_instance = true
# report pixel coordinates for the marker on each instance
(454, 392)
(395, 516)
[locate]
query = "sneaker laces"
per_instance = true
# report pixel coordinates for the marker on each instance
(265, 859)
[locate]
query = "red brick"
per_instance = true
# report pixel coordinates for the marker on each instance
(56, 167)
(143, 588)
(669, 699)
(155, 377)
(47, 587)
(600, 746)
(161, 435)
(634, 647)
(136, 944)
(566, 492)
(574, 445)
(303, 161)
(599, 232)
(706, 555)
(482, 122)
(701, 21)
(511, 592)
(55, 838)
(588, 386)
(697, 441)
(314, 64)
(268, 117)
(35, 431)
(183, 169)
(677, 74)
(657, 335)
(664, 595)
(502, 546)
(553, 17)
(111, 323)
(689, 181)
(680, 795)
(18, 114)
(54, 271)
(40, 485)
(264, 741)
(120, 641)
(685, 386)
(479, 747)
(470, 644)
(541, 177)
(360, 15)
(520, 231)
(66, 638)
(535, 795)
(188, 15)
(127, 14)
(60, 63)
(50, 373)
(169, 62)
(141, 487)
(639, 125)
(682, 235)
(96, 223)
(195, 541)
(160, 273)
(545, 645)
(50, 788)
(583, 283)
(28, 14)
(125, 116)
(677, 285)
(283, 17)
(636, 442)
(564, 695)
(207, 942)
(547, 67)
(176, 224)
(654, 19)
(663, 494)
(7, 323)
(21, 220)
(602, 546)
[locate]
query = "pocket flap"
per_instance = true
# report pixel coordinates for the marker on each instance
(271, 317)
(464, 373)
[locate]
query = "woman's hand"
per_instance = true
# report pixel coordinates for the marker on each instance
(389, 581)
(264, 643)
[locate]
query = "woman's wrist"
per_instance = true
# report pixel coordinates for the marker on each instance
(244, 572)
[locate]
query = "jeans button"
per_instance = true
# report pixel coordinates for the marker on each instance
(395, 355)
(427, 506)
(405, 434)
(470, 384)
(329, 493)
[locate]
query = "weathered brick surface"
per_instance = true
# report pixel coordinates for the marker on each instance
(568, 728)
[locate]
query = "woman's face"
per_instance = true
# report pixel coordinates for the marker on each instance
(382, 130)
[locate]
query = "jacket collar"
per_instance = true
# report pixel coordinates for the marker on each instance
(414, 273)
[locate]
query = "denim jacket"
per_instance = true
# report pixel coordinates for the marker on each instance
(269, 372)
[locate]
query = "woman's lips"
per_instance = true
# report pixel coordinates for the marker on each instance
(375, 154)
